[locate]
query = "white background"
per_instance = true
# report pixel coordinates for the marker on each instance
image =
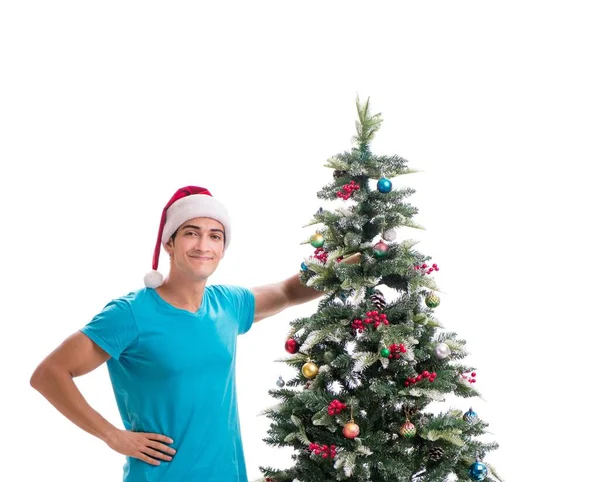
(108, 107)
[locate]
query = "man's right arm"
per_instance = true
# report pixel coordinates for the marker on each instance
(53, 378)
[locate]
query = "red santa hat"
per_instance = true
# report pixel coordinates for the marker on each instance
(187, 203)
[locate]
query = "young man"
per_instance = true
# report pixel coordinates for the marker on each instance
(170, 349)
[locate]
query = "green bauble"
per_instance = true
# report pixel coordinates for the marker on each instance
(384, 352)
(432, 300)
(317, 240)
(381, 250)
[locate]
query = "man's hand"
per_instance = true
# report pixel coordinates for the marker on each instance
(141, 445)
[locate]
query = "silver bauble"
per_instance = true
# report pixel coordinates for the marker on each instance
(442, 351)
(280, 382)
(389, 235)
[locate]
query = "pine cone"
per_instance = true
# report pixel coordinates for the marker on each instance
(410, 411)
(337, 173)
(378, 300)
(435, 454)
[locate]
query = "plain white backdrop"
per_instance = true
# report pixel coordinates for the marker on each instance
(107, 108)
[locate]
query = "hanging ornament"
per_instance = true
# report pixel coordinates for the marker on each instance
(470, 417)
(292, 346)
(385, 352)
(435, 454)
(378, 300)
(381, 250)
(432, 301)
(280, 383)
(408, 430)
(442, 351)
(303, 266)
(389, 235)
(384, 185)
(310, 370)
(351, 430)
(478, 471)
(317, 240)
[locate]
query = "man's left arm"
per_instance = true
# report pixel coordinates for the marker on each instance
(274, 298)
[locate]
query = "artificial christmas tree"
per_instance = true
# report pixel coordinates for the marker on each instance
(367, 367)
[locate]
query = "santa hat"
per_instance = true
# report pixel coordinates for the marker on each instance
(187, 203)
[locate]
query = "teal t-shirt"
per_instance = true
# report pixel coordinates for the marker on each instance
(173, 373)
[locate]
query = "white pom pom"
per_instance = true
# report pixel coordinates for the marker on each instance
(153, 279)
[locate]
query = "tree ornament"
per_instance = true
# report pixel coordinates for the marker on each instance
(335, 407)
(292, 346)
(442, 351)
(303, 266)
(385, 352)
(310, 370)
(280, 382)
(324, 451)
(470, 417)
(351, 430)
(435, 454)
(478, 471)
(408, 430)
(317, 240)
(339, 173)
(389, 235)
(348, 190)
(378, 300)
(384, 185)
(381, 250)
(432, 301)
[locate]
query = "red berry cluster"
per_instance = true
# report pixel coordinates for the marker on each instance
(470, 377)
(335, 407)
(371, 317)
(425, 375)
(320, 254)
(424, 268)
(348, 190)
(325, 451)
(396, 349)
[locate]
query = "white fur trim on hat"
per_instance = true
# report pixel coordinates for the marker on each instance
(196, 206)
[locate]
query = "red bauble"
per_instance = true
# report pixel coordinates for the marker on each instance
(291, 346)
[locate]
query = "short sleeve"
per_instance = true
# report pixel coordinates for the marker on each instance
(243, 302)
(113, 329)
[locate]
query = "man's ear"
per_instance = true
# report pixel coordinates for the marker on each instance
(169, 246)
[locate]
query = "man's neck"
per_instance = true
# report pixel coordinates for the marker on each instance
(182, 293)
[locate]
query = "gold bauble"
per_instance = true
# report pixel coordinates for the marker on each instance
(310, 370)
(351, 430)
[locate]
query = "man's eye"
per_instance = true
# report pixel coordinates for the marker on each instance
(190, 232)
(217, 237)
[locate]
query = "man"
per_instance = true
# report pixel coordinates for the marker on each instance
(170, 349)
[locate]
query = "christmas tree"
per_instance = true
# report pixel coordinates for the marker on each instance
(368, 368)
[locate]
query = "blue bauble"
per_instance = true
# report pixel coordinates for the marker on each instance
(470, 416)
(478, 471)
(384, 185)
(303, 266)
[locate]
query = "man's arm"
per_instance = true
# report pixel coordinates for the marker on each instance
(53, 378)
(274, 298)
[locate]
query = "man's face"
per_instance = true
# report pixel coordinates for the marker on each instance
(197, 248)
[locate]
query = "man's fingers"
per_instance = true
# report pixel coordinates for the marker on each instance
(162, 447)
(156, 454)
(159, 437)
(147, 459)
